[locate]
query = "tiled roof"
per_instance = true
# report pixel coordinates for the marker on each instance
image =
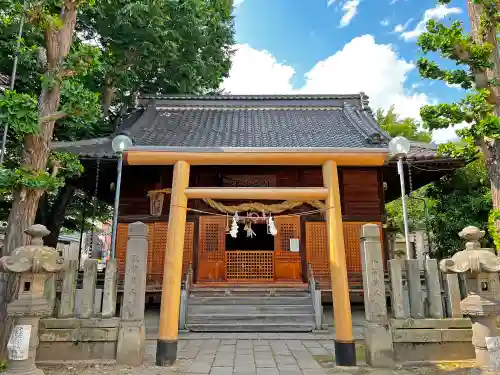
(343, 121)
(4, 81)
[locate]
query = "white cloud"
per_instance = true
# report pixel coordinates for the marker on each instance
(237, 3)
(257, 72)
(393, 2)
(330, 2)
(383, 76)
(402, 27)
(350, 9)
(438, 13)
(385, 22)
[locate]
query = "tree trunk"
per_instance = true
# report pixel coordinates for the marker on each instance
(108, 95)
(489, 147)
(36, 153)
(55, 219)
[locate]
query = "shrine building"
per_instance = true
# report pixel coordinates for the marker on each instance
(252, 196)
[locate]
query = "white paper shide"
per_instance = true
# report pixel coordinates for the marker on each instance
(19, 342)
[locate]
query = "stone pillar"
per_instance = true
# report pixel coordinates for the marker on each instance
(34, 264)
(131, 336)
(345, 351)
(68, 290)
(166, 348)
(110, 289)
(480, 304)
(379, 351)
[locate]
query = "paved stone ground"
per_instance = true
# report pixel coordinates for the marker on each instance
(253, 357)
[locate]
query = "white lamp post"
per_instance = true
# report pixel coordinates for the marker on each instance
(399, 147)
(119, 144)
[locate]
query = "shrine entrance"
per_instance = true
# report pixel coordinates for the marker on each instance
(261, 258)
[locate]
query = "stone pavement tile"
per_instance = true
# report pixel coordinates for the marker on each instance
(289, 367)
(226, 348)
(199, 367)
(309, 365)
(295, 344)
(244, 357)
(248, 344)
(313, 372)
(262, 348)
(228, 342)
(205, 358)
(223, 362)
(285, 360)
(319, 351)
(267, 371)
(221, 371)
(186, 354)
(244, 368)
(265, 363)
(290, 372)
(244, 351)
(260, 342)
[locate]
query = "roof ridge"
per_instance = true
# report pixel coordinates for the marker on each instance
(252, 96)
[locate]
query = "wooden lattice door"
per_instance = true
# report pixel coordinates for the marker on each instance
(317, 252)
(287, 264)
(212, 245)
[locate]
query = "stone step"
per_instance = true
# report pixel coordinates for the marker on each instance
(249, 309)
(249, 300)
(292, 292)
(251, 318)
(251, 327)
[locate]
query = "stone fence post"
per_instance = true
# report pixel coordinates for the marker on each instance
(131, 336)
(379, 351)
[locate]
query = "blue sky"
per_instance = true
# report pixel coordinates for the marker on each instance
(339, 46)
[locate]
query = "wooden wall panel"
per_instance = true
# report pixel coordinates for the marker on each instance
(287, 264)
(317, 251)
(211, 248)
(157, 242)
(360, 192)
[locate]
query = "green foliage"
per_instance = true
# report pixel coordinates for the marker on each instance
(3, 366)
(415, 209)
(23, 178)
(460, 199)
(407, 127)
(19, 112)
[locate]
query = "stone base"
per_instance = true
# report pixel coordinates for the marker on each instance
(379, 350)
(131, 343)
(76, 351)
(425, 352)
(18, 369)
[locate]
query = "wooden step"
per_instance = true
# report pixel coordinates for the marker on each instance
(251, 327)
(293, 292)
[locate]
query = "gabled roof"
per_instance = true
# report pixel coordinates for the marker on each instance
(245, 121)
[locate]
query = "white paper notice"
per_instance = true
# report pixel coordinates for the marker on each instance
(294, 245)
(493, 346)
(19, 343)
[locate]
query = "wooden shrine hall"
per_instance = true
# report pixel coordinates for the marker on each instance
(255, 195)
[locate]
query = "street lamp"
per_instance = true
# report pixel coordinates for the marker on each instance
(399, 147)
(119, 144)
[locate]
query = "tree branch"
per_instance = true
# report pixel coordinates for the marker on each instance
(53, 117)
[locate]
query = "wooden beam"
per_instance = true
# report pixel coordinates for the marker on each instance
(372, 159)
(297, 194)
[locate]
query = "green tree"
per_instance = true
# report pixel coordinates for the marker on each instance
(143, 46)
(478, 70)
(407, 127)
(460, 199)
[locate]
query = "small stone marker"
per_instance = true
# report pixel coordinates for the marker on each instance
(19, 342)
(493, 346)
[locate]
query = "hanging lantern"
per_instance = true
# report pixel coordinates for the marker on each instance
(271, 226)
(156, 203)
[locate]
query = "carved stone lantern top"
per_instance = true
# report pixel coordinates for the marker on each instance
(477, 262)
(474, 258)
(34, 258)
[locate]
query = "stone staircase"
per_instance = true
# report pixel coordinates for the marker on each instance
(250, 309)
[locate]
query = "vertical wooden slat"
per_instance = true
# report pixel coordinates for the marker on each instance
(187, 257)
(121, 247)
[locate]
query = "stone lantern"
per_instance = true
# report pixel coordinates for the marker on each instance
(480, 304)
(33, 264)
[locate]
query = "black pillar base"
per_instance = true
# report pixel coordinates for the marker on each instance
(166, 352)
(345, 353)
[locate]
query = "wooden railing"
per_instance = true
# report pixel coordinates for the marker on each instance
(249, 265)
